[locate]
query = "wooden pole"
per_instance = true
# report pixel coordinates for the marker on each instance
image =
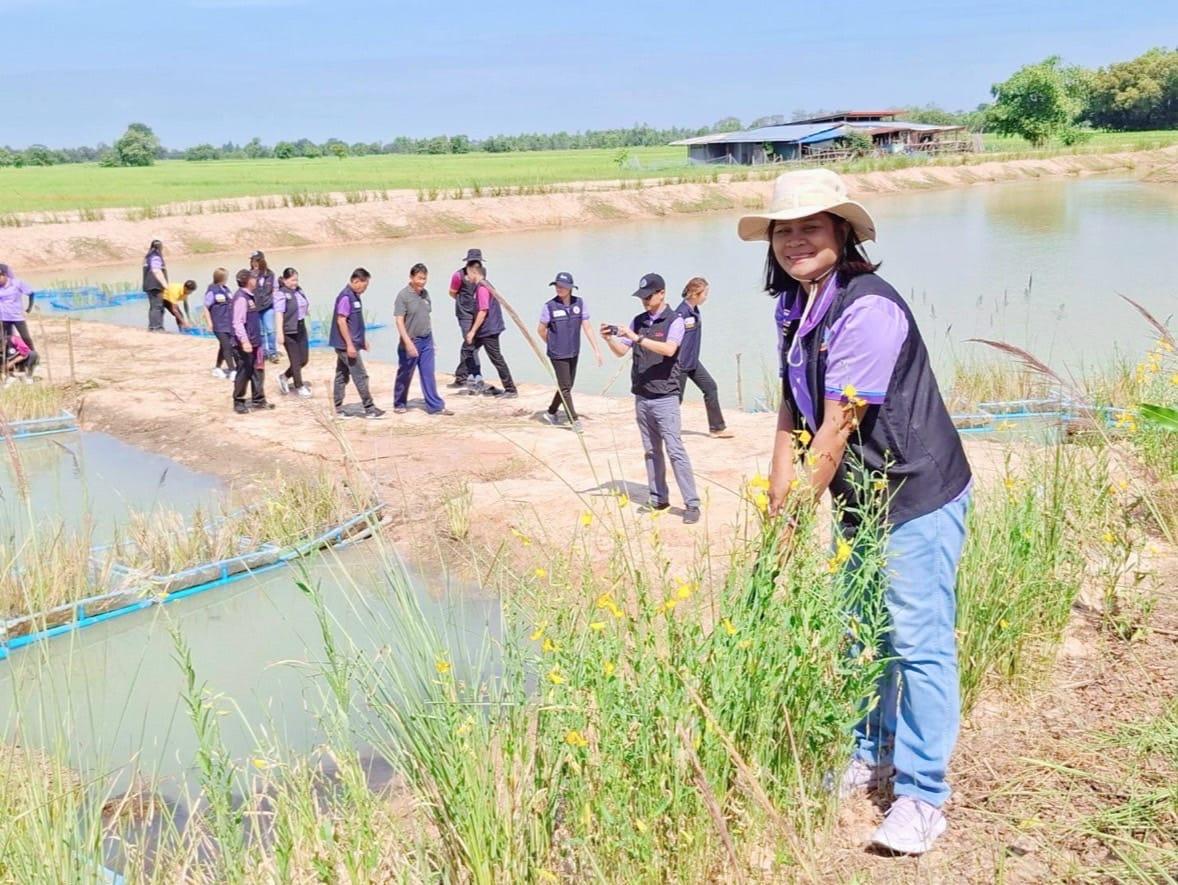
(43, 350)
(739, 386)
(69, 338)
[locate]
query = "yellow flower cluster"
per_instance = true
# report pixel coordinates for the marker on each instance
(523, 539)
(1152, 364)
(758, 492)
(1125, 421)
(575, 739)
(851, 395)
(606, 602)
(842, 552)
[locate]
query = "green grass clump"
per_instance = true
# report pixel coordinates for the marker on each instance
(28, 402)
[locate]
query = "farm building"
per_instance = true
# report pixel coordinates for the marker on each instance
(825, 137)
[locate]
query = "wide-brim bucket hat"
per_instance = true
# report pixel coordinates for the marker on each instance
(804, 193)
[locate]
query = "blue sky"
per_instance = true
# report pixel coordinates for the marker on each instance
(77, 71)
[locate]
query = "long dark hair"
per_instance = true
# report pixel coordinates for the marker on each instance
(287, 274)
(852, 261)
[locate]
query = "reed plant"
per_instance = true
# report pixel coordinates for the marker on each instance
(29, 402)
(48, 569)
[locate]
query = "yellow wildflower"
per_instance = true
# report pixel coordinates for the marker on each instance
(606, 601)
(539, 631)
(442, 667)
(555, 677)
(1110, 538)
(684, 591)
(1004, 624)
(728, 627)
(794, 483)
(849, 392)
(762, 503)
(669, 605)
(575, 739)
(640, 825)
(623, 500)
(586, 519)
(523, 539)
(549, 647)
(597, 626)
(541, 573)
(759, 482)
(804, 436)
(608, 668)
(1174, 379)
(880, 485)
(744, 643)
(260, 764)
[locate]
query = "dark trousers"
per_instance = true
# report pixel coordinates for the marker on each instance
(468, 358)
(225, 348)
(351, 368)
(155, 311)
(423, 363)
(250, 371)
(490, 343)
(298, 352)
(178, 313)
(566, 375)
(707, 385)
(22, 329)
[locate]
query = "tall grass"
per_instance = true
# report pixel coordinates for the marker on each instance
(28, 402)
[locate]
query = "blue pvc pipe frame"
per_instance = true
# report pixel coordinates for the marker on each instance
(80, 620)
(65, 422)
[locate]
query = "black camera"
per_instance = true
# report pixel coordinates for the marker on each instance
(613, 330)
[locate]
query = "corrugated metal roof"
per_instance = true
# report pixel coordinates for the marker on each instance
(807, 133)
(841, 116)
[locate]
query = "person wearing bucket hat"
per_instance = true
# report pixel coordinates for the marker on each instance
(653, 339)
(859, 397)
(469, 372)
(563, 319)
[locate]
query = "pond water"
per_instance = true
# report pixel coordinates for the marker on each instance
(109, 696)
(1035, 263)
(78, 477)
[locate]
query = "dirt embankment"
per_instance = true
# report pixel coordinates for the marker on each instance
(121, 236)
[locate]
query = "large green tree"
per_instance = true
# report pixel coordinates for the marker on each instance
(138, 146)
(1137, 94)
(1040, 102)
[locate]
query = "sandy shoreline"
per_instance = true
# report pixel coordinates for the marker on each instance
(121, 236)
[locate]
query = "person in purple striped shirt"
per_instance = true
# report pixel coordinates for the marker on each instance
(13, 293)
(290, 311)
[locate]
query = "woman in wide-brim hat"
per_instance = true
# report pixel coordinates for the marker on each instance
(860, 402)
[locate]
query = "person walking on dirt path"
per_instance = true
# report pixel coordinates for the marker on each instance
(415, 352)
(219, 313)
(563, 319)
(653, 339)
(859, 396)
(247, 350)
(488, 325)
(348, 338)
(291, 306)
(469, 372)
(175, 296)
(155, 280)
(14, 293)
(695, 293)
(264, 298)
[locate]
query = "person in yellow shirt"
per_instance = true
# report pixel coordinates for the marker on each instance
(176, 297)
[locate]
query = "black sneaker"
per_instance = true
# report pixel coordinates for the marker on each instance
(456, 384)
(264, 405)
(691, 516)
(648, 507)
(372, 413)
(491, 390)
(511, 394)
(241, 408)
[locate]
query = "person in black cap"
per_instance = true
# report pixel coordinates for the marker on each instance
(264, 299)
(653, 338)
(469, 372)
(155, 280)
(562, 320)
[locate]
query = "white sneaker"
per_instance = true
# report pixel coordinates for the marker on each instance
(233, 375)
(218, 372)
(862, 777)
(911, 827)
(29, 379)
(304, 392)
(283, 384)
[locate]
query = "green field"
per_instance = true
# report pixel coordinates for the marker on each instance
(91, 187)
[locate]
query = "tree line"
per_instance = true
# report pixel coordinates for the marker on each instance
(1040, 102)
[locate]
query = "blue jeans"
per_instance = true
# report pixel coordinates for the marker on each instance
(424, 363)
(914, 725)
(268, 331)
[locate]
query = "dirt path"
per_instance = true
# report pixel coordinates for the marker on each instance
(121, 236)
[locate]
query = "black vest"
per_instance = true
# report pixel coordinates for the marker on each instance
(253, 322)
(221, 310)
(290, 313)
(564, 328)
(493, 322)
(355, 321)
(910, 439)
(150, 283)
(264, 294)
(465, 302)
(652, 375)
(692, 332)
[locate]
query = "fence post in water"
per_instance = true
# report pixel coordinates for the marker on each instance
(69, 338)
(739, 386)
(43, 350)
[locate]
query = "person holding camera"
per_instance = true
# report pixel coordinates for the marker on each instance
(653, 339)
